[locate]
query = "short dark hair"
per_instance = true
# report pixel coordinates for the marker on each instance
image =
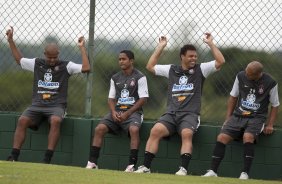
(187, 47)
(128, 53)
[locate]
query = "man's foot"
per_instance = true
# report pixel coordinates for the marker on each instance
(91, 165)
(46, 161)
(142, 169)
(129, 168)
(210, 173)
(244, 176)
(182, 172)
(11, 158)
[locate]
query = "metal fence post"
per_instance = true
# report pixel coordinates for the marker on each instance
(89, 83)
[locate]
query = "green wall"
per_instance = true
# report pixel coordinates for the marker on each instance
(76, 136)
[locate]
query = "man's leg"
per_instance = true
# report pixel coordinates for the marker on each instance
(157, 133)
(249, 151)
(218, 153)
(134, 144)
(100, 131)
(186, 150)
(19, 137)
(53, 137)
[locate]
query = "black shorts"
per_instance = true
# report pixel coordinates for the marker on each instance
(237, 126)
(176, 122)
(38, 114)
(135, 119)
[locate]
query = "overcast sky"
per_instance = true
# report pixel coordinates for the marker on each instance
(251, 24)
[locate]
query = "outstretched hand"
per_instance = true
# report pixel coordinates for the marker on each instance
(208, 38)
(162, 41)
(10, 33)
(81, 41)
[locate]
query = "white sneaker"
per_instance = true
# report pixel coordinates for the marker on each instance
(91, 165)
(244, 176)
(142, 169)
(129, 168)
(210, 173)
(182, 172)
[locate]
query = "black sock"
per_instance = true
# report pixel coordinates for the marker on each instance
(218, 155)
(249, 153)
(133, 156)
(185, 159)
(48, 156)
(15, 154)
(148, 159)
(94, 154)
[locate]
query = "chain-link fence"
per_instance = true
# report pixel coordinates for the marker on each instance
(243, 30)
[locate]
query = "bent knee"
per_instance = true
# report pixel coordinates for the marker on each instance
(248, 137)
(224, 138)
(187, 134)
(159, 131)
(101, 128)
(55, 119)
(134, 130)
(24, 121)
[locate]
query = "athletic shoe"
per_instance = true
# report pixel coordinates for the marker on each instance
(129, 168)
(46, 161)
(11, 158)
(210, 173)
(142, 169)
(91, 165)
(244, 176)
(182, 172)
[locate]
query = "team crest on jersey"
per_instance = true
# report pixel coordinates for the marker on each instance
(261, 89)
(132, 82)
(49, 70)
(191, 71)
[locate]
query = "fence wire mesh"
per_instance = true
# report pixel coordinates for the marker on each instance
(243, 30)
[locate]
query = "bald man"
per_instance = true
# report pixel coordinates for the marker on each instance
(246, 116)
(49, 98)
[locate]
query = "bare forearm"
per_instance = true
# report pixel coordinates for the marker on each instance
(272, 116)
(16, 53)
(154, 59)
(230, 106)
(112, 104)
(137, 106)
(219, 58)
(85, 61)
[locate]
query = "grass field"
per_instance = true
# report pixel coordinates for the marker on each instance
(33, 173)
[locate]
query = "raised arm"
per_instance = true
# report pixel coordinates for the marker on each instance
(156, 55)
(16, 53)
(219, 59)
(85, 61)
